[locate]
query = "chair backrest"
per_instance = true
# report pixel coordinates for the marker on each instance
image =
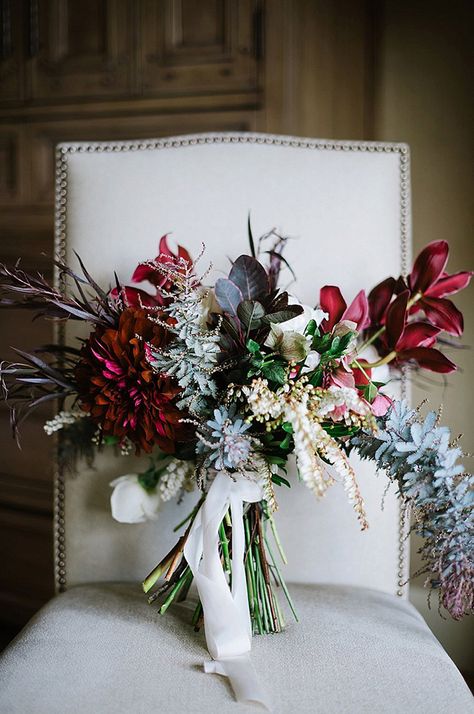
(347, 206)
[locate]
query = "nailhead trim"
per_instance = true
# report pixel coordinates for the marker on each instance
(62, 152)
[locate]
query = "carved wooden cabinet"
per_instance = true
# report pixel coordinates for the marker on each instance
(67, 50)
(187, 46)
(80, 49)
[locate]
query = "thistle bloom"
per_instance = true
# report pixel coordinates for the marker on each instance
(232, 447)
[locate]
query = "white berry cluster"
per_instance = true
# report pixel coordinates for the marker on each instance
(177, 476)
(61, 420)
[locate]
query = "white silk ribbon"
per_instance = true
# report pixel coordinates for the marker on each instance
(227, 622)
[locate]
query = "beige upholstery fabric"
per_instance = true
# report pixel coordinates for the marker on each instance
(100, 649)
(341, 203)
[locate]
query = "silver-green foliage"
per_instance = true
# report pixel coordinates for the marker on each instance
(418, 455)
(191, 358)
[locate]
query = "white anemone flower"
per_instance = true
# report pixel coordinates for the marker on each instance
(131, 503)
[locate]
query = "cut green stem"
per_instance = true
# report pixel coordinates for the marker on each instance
(187, 575)
(282, 582)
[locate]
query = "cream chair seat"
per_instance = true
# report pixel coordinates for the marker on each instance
(359, 646)
(101, 649)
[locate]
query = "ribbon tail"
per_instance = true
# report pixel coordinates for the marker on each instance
(227, 622)
(242, 677)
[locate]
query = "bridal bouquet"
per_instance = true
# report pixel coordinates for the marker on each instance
(221, 386)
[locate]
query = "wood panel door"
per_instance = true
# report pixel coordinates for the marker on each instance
(188, 46)
(14, 179)
(80, 49)
(11, 51)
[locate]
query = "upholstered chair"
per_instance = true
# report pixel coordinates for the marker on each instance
(359, 646)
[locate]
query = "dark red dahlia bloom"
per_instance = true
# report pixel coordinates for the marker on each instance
(119, 390)
(332, 302)
(413, 341)
(136, 297)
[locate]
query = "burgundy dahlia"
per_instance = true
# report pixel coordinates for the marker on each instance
(119, 390)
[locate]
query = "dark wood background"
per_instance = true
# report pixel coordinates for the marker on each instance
(122, 69)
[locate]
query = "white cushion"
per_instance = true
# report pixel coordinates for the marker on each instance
(102, 649)
(346, 204)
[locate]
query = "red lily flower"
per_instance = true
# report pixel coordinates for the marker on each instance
(379, 299)
(413, 341)
(431, 283)
(332, 302)
(136, 297)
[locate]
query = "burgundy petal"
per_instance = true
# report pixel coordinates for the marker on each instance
(358, 311)
(444, 314)
(135, 297)
(396, 316)
(428, 358)
(400, 285)
(449, 284)
(429, 265)
(183, 253)
(332, 302)
(418, 334)
(379, 300)
(163, 248)
(146, 271)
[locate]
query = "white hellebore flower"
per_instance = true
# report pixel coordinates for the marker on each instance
(299, 323)
(130, 502)
(207, 305)
(287, 337)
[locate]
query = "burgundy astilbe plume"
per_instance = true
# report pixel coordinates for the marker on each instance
(457, 590)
